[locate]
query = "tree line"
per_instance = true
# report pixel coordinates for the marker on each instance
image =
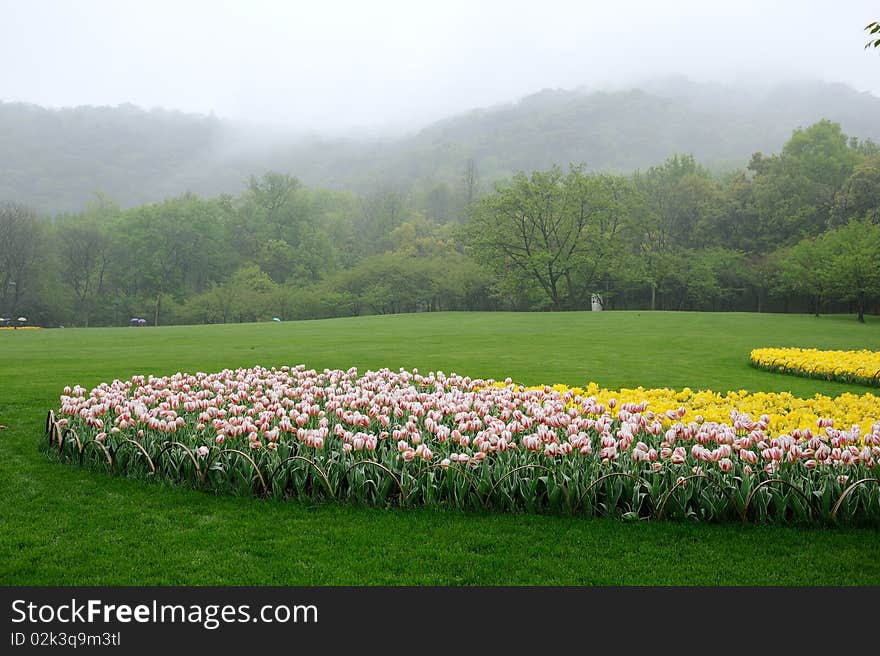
(798, 230)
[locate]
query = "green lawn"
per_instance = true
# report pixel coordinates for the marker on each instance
(65, 526)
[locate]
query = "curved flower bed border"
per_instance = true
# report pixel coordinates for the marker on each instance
(633, 497)
(748, 476)
(861, 367)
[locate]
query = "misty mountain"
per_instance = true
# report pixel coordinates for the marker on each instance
(56, 160)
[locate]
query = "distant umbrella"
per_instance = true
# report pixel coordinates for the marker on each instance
(275, 319)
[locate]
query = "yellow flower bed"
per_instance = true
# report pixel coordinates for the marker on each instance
(846, 366)
(786, 411)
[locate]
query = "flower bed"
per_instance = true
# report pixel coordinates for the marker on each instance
(846, 366)
(408, 439)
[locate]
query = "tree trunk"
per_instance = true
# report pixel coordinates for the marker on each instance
(861, 308)
(653, 296)
(554, 296)
(158, 306)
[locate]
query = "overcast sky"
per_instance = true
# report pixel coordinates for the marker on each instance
(330, 65)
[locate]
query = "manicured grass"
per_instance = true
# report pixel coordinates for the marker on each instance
(63, 525)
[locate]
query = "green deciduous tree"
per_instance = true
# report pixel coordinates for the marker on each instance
(172, 248)
(842, 264)
(84, 257)
(20, 242)
(794, 191)
(681, 200)
(803, 269)
(859, 196)
(853, 268)
(555, 230)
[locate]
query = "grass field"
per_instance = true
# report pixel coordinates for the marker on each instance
(60, 525)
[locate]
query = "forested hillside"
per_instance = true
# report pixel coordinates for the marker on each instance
(57, 160)
(795, 230)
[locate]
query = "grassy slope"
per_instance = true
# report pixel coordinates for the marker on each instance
(61, 525)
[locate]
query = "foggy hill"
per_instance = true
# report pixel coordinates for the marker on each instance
(55, 160)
